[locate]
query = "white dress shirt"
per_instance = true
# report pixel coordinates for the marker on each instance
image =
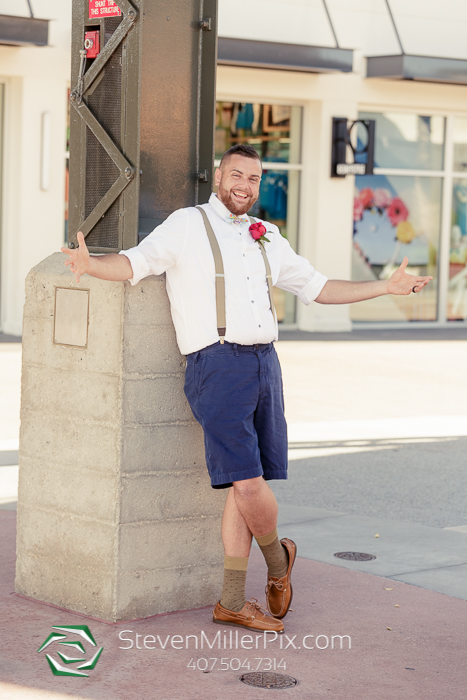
(180, 248)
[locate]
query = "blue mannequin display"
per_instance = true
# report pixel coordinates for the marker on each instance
(273, 194)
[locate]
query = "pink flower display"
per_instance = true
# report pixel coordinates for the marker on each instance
(381, 198)
(397, 211)
(366, 196)
(358, 209)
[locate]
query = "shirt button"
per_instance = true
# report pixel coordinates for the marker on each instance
(252, 301)
(243, 254)
(259, 326)
(248, 278)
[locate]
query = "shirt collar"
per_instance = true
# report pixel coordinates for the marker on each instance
(220, 209)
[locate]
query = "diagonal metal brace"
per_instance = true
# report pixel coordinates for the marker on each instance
(127, 171)
(104, 204)
(104, 139)
(130, 16)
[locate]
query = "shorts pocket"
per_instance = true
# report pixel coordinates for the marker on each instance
(198, 374)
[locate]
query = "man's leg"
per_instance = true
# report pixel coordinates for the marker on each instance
(258, 506)
(233, 608)
(236, 537)
(250, 509)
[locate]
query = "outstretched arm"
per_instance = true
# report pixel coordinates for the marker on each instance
(114, 267)
(344, 292)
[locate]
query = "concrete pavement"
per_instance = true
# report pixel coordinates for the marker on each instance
(349, 635)
(378, 435)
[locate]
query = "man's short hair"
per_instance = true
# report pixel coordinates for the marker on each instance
(241, 149)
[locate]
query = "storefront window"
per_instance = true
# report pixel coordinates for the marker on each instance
(396, 216)
(275, 132)
(457, 290)
(460, 144)
(408, 141)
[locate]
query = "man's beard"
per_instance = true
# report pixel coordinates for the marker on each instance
(236, 208)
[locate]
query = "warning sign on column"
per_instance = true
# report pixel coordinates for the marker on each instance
(103, 8)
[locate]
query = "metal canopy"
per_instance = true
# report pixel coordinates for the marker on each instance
(421, 68)
(277, 56)
(23, 31)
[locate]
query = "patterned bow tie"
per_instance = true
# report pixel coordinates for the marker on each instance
(237, 219)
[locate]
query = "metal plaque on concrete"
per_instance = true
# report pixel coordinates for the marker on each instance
(71, 317)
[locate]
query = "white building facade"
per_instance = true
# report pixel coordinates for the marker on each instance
(34, 83)
(286, 68)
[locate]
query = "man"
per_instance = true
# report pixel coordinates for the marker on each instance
(233, 379)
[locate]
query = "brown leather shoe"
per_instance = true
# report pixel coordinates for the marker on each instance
(250, 616)
(279, 590)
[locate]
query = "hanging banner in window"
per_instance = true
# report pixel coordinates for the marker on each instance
(103, 8)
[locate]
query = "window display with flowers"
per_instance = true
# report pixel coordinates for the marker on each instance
(393, 217)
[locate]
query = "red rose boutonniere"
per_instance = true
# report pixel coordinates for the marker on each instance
(257, 231)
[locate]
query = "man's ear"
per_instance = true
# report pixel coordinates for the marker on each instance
(217, 176)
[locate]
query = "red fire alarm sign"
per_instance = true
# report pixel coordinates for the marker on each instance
(103, 8)
(91, 44)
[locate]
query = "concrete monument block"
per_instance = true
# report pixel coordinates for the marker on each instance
(116, 516)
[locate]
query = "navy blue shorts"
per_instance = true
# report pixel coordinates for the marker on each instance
(235, 393)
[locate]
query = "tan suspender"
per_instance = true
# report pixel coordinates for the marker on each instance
(268, 275)
(220, 278)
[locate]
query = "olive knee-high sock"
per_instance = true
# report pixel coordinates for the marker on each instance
(233, 591)
(275, 554)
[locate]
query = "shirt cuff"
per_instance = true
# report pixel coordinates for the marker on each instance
(138, 264)
(312, 290)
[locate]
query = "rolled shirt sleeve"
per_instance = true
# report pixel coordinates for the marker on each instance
(298, 276)
(160, 250)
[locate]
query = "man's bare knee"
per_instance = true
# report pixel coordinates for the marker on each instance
(248, 489)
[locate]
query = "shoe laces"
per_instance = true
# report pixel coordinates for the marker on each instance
(279, 584)
(255, 605)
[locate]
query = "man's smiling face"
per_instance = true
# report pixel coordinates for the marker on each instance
(238, 181)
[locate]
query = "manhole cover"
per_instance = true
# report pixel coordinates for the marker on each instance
(355, 556)
(269, 680)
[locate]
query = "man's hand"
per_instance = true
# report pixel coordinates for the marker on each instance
(112, 267)
(402, 283)
(78, 258)
(344, 292)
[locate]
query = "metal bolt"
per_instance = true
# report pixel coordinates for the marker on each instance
(73, 97)
(131, 13)
(128, 173)
(205, 24)
(71, 245)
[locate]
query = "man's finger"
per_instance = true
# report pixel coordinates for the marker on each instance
(403, 264)
(418, 286)
(80, 238)
(67, 251)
